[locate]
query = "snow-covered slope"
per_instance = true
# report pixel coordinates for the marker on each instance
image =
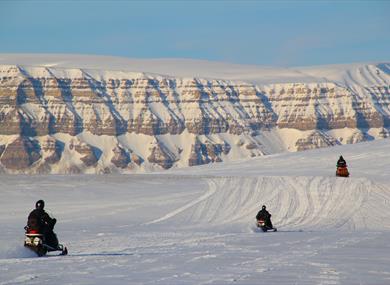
(195, 225)
(90, 114)
(301, 187)
(367, 160)
(344, 73)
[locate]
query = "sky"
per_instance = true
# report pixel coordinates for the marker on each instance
(272, 33)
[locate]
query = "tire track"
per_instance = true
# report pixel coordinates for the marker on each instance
(315, 203)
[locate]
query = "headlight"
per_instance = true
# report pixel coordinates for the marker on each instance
(37, 241)
(27, 240)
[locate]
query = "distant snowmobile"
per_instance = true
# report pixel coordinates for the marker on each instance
(263, 218)
(342, 169)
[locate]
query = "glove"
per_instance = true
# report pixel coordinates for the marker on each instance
(52, 223)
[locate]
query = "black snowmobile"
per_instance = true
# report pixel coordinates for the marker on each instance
(37, 242)
(40, 236)
(265, 228)
(263, 219)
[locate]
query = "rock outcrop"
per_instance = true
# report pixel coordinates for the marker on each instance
(121, 157)
(203, 153)
(20, 154)
(161, 155)
(2, 148)
(90, 154)
(315, 140)
(53, 150)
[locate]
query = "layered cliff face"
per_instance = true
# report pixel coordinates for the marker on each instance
(329, 106)
(55, 120)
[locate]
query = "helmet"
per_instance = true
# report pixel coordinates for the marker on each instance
(263, 207)
(40, 204)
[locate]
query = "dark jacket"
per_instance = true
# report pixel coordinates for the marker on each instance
(40, 220)
(263, 214)
(341, 162)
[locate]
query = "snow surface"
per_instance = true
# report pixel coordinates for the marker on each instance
(365, 74)
(196, 225)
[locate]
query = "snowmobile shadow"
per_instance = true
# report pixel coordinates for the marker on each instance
(101, 254)
(292, 231)
(258, 230)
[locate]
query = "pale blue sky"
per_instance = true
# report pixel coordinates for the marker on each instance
(283, 33)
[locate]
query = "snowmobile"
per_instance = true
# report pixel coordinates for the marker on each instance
(36, 242)
(261, 224)
(342, 171)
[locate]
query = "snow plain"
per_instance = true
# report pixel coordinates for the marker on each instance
(196, 225)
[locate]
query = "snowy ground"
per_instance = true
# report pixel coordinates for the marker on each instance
(364, 74)
(196, 226)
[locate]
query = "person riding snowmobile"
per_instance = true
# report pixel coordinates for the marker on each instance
(263, 214)
(39, 220)
(341, 162)
(342, 170)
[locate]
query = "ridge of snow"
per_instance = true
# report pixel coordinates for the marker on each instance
(348, 74)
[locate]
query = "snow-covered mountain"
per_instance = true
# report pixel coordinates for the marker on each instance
(72, 114)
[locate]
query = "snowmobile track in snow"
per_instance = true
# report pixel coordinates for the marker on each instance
(315, 203)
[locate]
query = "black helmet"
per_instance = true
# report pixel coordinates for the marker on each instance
(263, 207)
(40, 204)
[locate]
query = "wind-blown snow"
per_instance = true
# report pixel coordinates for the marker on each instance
(196, 225)
(119, 67)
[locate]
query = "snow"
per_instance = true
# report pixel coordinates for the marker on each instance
(196, 225)
(365, 74)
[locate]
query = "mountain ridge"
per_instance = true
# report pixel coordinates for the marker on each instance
(172, 67)
(72, 120)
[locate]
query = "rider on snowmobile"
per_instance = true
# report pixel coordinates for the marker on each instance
(263, 214)
(341, 162)
(39, 220)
